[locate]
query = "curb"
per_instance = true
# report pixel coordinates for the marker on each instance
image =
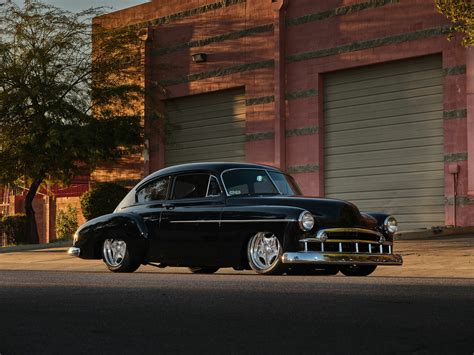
(426, 234)
(29, 247)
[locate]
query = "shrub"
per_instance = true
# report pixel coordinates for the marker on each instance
(102, 199)
(66, 223)
(16, 229)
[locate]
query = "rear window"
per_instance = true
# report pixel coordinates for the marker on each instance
(154, 191)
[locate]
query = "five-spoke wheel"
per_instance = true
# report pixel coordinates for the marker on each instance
(121, 255)
(264, 252)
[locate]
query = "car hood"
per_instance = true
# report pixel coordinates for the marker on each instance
(328, 212)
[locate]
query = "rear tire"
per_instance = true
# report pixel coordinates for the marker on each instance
(203, 270)
(357, 270)
(121, 253)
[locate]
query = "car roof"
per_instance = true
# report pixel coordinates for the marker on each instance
(215, 167)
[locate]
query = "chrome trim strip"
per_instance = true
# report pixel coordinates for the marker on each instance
(314, 257)
(235, 221)
(73, 251)
(350, 230)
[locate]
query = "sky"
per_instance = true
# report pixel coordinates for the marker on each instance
(78, 5)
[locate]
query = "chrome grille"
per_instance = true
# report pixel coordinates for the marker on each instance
(349, 247)
(351, 242)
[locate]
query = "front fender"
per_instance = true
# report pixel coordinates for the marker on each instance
(90, 235)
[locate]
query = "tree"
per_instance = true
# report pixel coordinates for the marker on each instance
(461, 13)
(62, 112)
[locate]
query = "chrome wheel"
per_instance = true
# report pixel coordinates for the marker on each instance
(264, 251)
(114, 251)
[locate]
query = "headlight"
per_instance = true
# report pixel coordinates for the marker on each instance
(390, 224)
(306, 221)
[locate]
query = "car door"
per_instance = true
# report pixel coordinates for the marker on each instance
(189, 228)
(150, 201)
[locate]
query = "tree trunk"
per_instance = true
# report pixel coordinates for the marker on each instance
(33, 237)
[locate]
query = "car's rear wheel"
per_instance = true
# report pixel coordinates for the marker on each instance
(357, 270)
(121, 254)
(264, 253)
(203, 270)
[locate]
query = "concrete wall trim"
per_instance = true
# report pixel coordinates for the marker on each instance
(259, 100)
(262, 136)
(187, 13)
(339, 11)
(299, 169)
(216, 39)
(457, 70)
(452, 157)
(451, 114)
(301, 94)
(460, 200)
(373, 43)
(303, 131)
(219, 72)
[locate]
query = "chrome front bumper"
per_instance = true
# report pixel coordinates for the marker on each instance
(316, 257)
(73, 251)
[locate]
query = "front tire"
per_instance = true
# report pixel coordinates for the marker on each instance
(203, 270)
(357, 270)
(120, 254)
(264, 253)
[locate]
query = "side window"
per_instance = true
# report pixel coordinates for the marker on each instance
(214, 189)
(190, 186)
(154, 191)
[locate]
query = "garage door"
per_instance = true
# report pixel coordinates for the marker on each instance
(384, 139)
(208, 127)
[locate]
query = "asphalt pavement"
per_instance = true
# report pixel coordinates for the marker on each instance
(55, 312)
(51, 303)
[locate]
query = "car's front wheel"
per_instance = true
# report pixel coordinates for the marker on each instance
(120, 254)
(357, 270)
(264, 253)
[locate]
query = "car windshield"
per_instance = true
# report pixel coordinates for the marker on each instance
(248, 182)
(285, 183)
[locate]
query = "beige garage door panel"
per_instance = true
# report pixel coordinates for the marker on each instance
(208, 127)
(384, 139)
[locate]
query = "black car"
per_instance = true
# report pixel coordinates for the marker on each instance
(207, 216)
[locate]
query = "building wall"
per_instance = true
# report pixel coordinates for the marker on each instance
(280, 51)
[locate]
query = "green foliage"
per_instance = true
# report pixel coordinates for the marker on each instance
(461, 13)
(66, 223)
(102, 199)
(16, 229)
(64, 108)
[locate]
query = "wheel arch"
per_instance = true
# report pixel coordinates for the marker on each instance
(92, 234)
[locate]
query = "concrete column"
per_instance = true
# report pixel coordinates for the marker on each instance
(470, 117)
(147, 114)
(279, 19)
